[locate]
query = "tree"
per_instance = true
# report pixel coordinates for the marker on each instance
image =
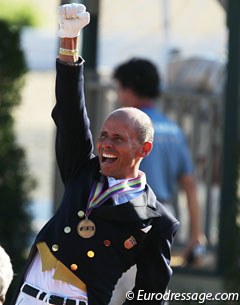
(15, 181)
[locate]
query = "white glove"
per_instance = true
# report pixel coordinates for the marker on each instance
(72, 18)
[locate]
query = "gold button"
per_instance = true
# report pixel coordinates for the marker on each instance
(74, 267)
(81, 214)
(67, 229)
(55, 248)
(90, 254)
(107, 243)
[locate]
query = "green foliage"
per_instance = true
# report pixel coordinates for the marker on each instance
(12, 68)
(20, 13)
(15, 181)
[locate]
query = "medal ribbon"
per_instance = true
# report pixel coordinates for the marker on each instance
(97, 197)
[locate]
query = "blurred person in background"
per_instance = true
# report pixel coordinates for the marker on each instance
(169, 164)
(6, 274)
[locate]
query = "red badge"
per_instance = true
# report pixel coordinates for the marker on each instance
(107, 243)
(130, 242)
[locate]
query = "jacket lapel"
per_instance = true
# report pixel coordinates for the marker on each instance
(140, 208)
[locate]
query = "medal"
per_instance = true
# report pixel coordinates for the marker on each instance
(86, 228)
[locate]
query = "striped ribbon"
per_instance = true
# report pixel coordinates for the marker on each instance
(97, 197)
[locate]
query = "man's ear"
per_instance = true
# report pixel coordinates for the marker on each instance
(146, 149)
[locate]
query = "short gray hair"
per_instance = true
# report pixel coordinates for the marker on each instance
(140, 120)
(6, 273)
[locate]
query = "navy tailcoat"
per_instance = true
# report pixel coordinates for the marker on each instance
(115, 225)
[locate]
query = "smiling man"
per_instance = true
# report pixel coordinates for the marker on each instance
(109, 218)
(125, 138)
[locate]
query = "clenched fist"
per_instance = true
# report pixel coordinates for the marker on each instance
(72, 18)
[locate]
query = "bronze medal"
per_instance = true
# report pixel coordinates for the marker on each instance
(86, 228)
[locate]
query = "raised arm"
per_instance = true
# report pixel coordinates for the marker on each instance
(74, 140)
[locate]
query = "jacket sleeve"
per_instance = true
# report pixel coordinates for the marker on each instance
(153, 268)
(74, 145)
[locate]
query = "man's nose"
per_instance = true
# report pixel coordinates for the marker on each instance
(107, 143)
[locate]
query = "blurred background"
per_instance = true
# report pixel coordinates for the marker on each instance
(189, 42)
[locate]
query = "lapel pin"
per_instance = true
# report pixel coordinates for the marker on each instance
(130, 242)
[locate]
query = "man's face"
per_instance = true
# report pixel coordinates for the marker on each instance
(118, 148)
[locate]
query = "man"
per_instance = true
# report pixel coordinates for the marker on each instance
(6, 274)
(169, 164)
(109, 218)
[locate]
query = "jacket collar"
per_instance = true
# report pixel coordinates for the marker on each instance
(142, 207)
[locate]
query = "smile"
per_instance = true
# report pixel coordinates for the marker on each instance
(108, 158)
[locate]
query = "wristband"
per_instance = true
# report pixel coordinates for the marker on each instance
(68, 52)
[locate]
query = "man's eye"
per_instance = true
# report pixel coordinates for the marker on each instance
(102, 136)
(117, 140)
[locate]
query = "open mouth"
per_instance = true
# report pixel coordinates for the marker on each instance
(108, 158)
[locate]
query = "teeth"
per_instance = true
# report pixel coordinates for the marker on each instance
(109, 156)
